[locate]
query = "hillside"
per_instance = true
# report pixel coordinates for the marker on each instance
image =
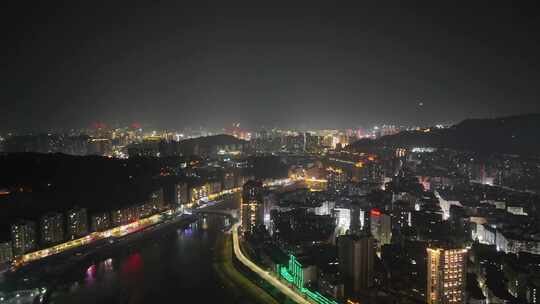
(511, 135)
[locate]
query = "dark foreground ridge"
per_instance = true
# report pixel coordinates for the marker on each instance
(508, 135)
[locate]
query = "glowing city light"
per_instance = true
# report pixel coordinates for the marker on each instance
(375, 212)
(294, 274)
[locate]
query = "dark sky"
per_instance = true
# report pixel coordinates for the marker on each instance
(317, 64)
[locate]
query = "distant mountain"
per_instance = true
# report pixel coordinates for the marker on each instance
(510, 135)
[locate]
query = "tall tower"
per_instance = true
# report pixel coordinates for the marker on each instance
(356, 257)
(252, 209)
(253, 191)
(446, 275)
(381, 227)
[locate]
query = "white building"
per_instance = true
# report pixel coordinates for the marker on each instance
(484, 234)
(343, 219)
(445, 205)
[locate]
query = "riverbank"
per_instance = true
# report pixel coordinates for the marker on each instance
(106, 239)
(265, 275)
(123, 230)
(240, 287)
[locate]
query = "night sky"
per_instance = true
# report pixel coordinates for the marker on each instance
(313, 64)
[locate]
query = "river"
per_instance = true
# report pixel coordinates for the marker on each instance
(173, 265)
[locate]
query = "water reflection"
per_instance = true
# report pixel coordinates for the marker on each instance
(107, 265)
(91, 274)
(154, 269)
(132, 265)
(204, 223)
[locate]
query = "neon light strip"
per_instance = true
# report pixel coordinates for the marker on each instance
(295, 275)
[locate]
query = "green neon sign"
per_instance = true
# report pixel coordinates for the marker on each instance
(294, 274)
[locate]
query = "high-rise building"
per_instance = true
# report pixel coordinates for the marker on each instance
(100, 221)
(251, 215)
(23, 236)
(381, 227)
(356, 256)
(148, 148)
(402, 215)
(156, 199)
(130, 214)
(6, 252)
(52, 228)
(198, 192)
(370, 171)
(228, 180)
(100, 146)
(446, 275)
(336, 180)
(358, 219)
(144, 209)
(343, 219)
(170, 194)
(532, 291)
(182, 193)
(252, 191)
(77, 223)
(214, 187)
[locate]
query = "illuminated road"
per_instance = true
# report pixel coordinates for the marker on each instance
(262, 273)
(123, 230)
(116, 232)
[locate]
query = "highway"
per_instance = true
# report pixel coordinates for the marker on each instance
(262, 273)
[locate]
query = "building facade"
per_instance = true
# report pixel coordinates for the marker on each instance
(252, 191)
(100, 221)
(198, 192)
(182, 196)
(77, 223)
(51, 228)
(356, 257)
(23, 236)
(6, 252)
(446, 275)
(381, 227)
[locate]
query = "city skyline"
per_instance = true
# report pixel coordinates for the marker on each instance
(241, 152)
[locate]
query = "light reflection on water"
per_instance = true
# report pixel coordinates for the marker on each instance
(153, 271)
(90, 274)
(132, 265)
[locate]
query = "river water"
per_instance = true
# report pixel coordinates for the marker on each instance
(173, 265)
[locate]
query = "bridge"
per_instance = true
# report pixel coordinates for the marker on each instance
(233, 213)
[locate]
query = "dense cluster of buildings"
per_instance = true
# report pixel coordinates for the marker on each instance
(53, 228)
(103, 140)
(59, 143)
(122, 143)
(409, 226)
(205, 147)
